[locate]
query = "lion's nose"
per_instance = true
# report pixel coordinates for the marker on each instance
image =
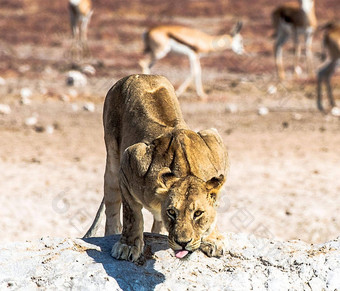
(183, 244)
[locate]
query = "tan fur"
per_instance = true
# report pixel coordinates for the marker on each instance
(331, 43)
(155, 161)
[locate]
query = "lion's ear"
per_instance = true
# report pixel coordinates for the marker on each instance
(165, 179)
(214, 185)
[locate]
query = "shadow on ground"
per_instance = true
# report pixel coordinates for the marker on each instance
(130, 276)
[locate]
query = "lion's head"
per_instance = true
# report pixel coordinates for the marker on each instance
(189, 210)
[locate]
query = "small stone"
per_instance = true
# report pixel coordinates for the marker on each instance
(73, 93)
(31, 121)
(335, 111)
(89, 106)
(75, 107)
(50, 129)
(5, 109)
(25, 93)
(25, 101)
(65, 98)
(272, 89)
(90, 70)
(263, 111)
(75, 78)
(297, 116)
(231, 108)
(2, 81)
(43, 91)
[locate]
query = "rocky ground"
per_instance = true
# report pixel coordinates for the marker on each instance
(284, 178)
(251, 264)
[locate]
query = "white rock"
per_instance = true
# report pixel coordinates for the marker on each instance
(75, 107)
(25, 93)
(334, 279)
(73, 93)
(88, 69)
(263, 110)
(297, 116)
(75, 78)
(2, 81)
(31, 121)
(65, 98)
(316, 284)
(335, 111)
(89, 106)
(272, 89)
(58, 264)
(5, 109)
(50, 129)
(25, 101)
(232, 108)
(43, 91)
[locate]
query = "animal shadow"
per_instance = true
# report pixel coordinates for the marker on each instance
(130, 276)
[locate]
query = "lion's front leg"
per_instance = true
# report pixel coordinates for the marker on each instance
(213, 244)
(131, 244)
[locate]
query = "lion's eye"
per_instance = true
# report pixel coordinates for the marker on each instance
(171, 213)
(198, 213)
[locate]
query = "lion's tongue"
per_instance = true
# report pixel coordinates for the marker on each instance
(181, 254)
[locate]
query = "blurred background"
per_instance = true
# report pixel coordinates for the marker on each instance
(284, 179)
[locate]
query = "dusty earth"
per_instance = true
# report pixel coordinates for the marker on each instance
(284, 179)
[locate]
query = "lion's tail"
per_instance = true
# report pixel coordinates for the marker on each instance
(96, 223)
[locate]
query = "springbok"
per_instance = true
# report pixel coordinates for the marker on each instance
(331, 43)
(160, 40)
(294, 19)
(80, 15)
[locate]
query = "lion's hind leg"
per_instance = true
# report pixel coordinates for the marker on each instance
(112, 194)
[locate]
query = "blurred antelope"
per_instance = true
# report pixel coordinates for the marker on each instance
(331, 43)
(80, 14)
(294, 18)
(159, 41)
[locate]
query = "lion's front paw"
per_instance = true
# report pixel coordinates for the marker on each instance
(131, 253)
(213, 246)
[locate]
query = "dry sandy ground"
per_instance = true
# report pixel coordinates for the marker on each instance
(284, 179)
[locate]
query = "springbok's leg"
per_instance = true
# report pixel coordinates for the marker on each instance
(324, 75)
(192, 59)
(297, 51)
(181, 89)
(329, 75)
(85, 20)
(309, 53)
(147, 62)
(319, 89)
(282, 37)
(195, 73)
(198, 77)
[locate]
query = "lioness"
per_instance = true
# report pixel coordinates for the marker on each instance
(155, 161)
